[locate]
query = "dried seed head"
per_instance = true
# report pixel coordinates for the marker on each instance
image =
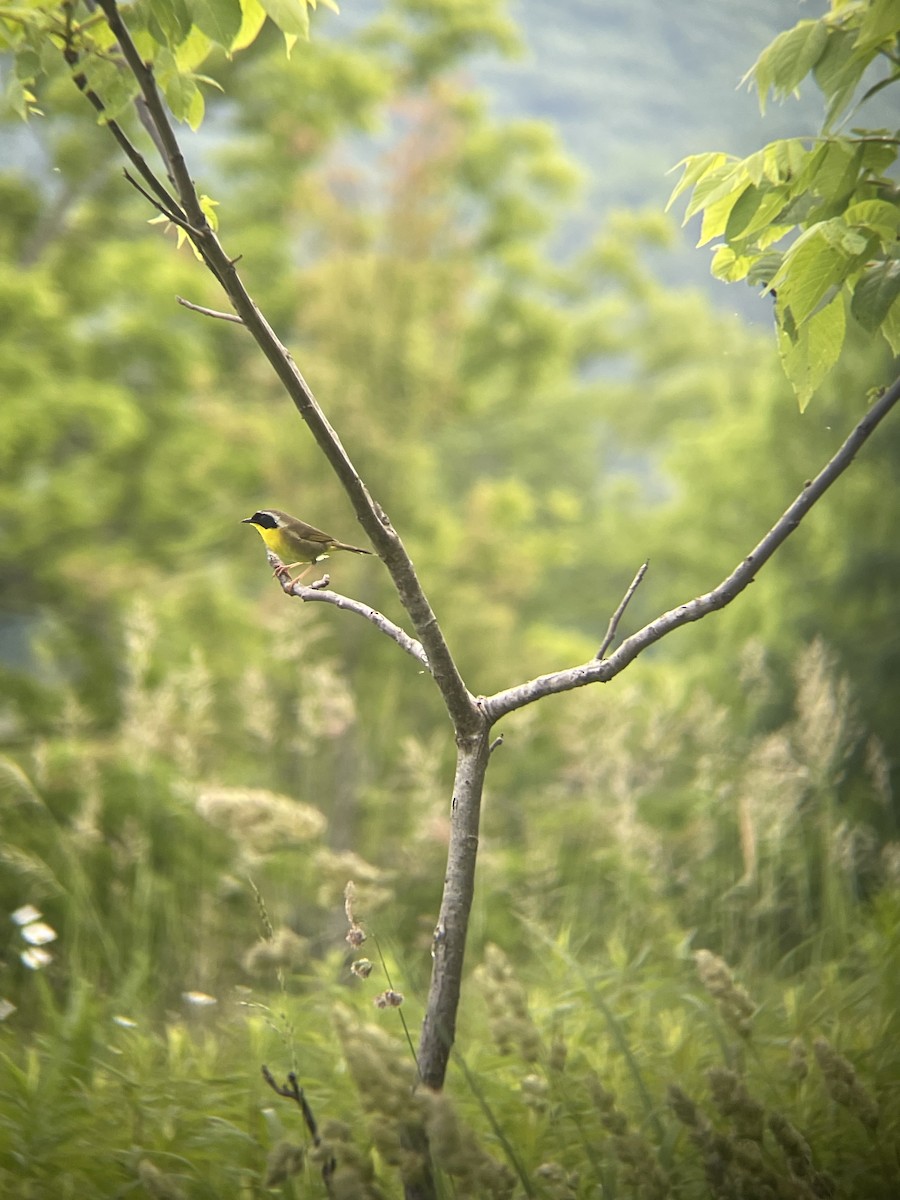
(843, 1084)
(389, 999)
(734, 1003)
(684, 1107)
(284, 1160)
(732, 1099)
(798, 1063)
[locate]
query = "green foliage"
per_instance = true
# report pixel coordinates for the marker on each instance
(834, 194)
(171, 725)
(175, 36)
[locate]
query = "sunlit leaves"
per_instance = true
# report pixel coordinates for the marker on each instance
(220, 20)
(876, 294)
(788, 60)
(839, 71)
(253, 17)
(291, 16)
(118, 88)
(808, 354)
(170, 21)
(836, 49)
(879, 24)
(891, 326)
(820, 260)
(834, 195)
(183, 32)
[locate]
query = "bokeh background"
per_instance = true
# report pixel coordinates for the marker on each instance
(453, 215)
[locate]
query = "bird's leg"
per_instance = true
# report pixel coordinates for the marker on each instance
(285, 569)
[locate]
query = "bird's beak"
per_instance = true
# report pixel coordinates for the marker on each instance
(247, 521)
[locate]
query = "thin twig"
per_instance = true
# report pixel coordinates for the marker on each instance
(210, 312)
(293, 1091)
(173, 214)
(617, 615)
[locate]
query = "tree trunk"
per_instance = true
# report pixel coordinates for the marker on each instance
(449, 945)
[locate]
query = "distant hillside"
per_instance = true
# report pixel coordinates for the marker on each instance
(635, 85)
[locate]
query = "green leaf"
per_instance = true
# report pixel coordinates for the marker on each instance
(173, 20)
(209, 207)
(835, 171)
(878, 216)
(253, 19)
(819, 260)
(717, 183)
(838, 72)
(717, 215)
(193, 50)
(219, 19)
(291, 16)
(28, 64)
(182, 98)
(770, 206)
(891, 327)
(744, 209)
(875, 293)
(808, 354)
(879, 155)
(729, 266)
(765, 268)
(773, 233)
(785, 160)
(117, 89)
(793, 55)
(695, 168)
(880, 24)
(755, 166)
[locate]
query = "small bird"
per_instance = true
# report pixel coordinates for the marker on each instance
(294, 541)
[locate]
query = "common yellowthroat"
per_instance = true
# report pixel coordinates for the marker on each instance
(294, 541)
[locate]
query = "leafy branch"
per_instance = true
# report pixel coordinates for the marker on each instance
(814, 222)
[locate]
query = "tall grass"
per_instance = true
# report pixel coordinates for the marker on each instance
(684, 966)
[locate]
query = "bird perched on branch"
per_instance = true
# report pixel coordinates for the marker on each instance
(294, 541)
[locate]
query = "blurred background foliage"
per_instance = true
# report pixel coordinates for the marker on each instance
(536, 426)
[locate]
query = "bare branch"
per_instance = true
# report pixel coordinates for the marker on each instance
(601, 671)
(618, 614)
(312, 592)
(209, 312)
